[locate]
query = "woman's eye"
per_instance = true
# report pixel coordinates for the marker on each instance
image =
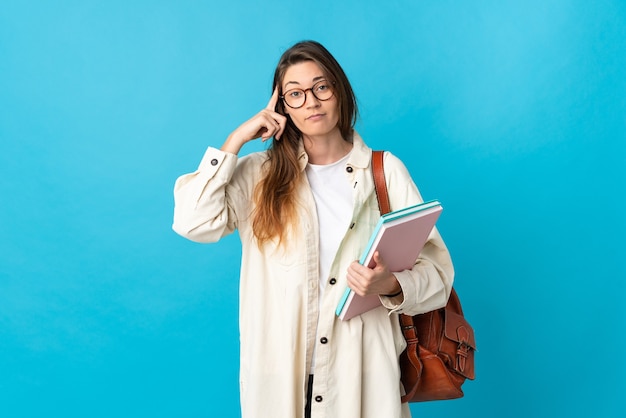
(295, 94)
(321, 87)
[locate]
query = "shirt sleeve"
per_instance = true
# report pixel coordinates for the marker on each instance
(202, 208)
(428, 284)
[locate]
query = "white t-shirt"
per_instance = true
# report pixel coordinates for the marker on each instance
(333, 201)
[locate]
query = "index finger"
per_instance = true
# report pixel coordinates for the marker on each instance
(273, 101)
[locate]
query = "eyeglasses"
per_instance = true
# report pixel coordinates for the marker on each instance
(295, 98)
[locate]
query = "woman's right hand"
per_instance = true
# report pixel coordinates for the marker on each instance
(265, 124)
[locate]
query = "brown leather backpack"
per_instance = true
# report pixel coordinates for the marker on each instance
(439, 356)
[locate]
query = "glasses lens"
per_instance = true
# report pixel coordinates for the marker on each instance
(294, 97)
(322, 90)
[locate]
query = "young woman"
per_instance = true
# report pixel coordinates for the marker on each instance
(305, 209)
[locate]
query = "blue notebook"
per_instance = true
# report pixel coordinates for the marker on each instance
(399, 236)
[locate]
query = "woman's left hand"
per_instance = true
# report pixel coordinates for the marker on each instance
(375, 281)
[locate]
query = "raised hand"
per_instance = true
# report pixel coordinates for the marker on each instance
(265, 124)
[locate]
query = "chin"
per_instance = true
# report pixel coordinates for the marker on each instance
(319, 130)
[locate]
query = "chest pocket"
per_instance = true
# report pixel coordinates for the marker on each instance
(369, 214)
(288, 256)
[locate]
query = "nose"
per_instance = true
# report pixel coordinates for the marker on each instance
(310, 100)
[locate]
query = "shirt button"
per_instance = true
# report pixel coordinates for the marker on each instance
(349, 169)
(323, 340)
(214, 161)
(333, 281)
(318, 398)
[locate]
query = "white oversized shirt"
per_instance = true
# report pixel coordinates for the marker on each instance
(333, 204)
(356, 367)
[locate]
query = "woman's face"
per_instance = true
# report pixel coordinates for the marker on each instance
(315, 117)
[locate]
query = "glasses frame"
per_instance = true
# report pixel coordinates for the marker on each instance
(312, 92)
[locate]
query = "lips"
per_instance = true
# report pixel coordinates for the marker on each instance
(315, 116)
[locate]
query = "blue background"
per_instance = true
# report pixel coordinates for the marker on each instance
(512, 113)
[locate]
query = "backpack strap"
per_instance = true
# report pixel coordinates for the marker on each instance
(380, 185)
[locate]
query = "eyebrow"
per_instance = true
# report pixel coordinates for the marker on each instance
(315, 80)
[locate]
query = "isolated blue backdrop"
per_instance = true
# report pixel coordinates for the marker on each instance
(512, 113)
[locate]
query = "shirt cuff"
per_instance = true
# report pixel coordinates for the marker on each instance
(408, 292)
(217, 162)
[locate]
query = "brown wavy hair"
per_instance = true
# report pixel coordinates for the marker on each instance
(276, 194)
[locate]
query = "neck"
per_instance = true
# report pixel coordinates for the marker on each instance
(326, 149)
